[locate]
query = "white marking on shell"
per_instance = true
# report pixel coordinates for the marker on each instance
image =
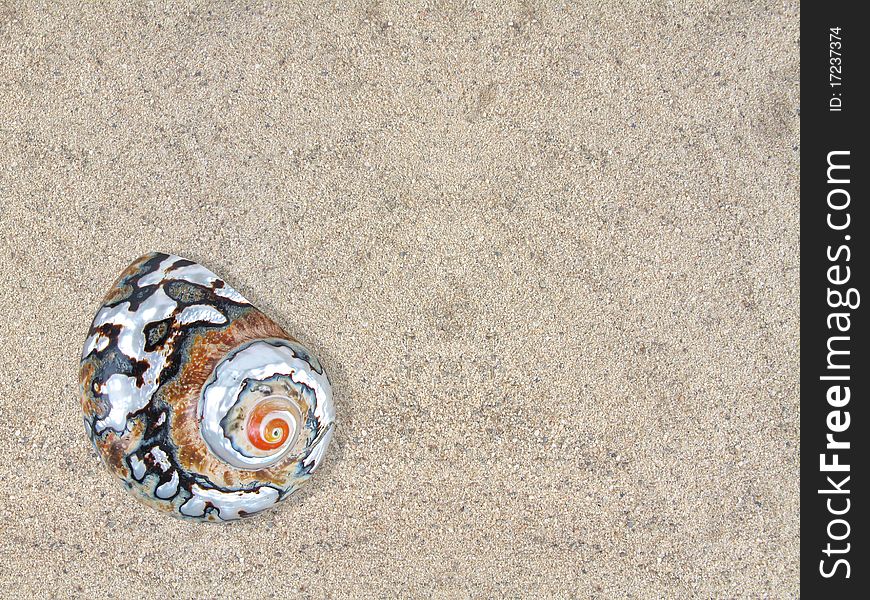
(125, 396)
(97, 342)
(200, 312)
(168, 489)
(315, 457)
(160, 458)
(229, 504)
(138, 467)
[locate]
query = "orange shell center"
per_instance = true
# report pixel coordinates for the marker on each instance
(275, 432)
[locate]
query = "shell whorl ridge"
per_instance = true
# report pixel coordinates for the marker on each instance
(203, 406)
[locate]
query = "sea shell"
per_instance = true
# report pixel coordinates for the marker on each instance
(203, 406)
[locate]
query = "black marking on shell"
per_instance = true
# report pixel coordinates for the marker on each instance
(157, 332)
(179, 263)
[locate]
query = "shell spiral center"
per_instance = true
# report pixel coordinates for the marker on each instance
(255, 406)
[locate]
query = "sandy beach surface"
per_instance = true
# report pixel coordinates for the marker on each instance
(547, 252)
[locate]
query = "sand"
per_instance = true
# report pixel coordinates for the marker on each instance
(548, 254)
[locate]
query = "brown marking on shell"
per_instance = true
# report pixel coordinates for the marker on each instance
(114, 448)
(86, 377)
(121, 291)
(182, 394)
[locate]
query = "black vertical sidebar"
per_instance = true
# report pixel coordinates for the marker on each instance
(835, 224)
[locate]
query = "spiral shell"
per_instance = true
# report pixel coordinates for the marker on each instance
(203, 406)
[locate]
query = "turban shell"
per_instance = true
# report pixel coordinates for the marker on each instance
(199, 403)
